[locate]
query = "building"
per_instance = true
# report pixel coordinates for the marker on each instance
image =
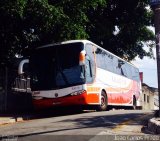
(149, 97)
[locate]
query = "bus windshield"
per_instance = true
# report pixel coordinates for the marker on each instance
(56, 66)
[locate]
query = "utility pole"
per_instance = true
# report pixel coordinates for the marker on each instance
(155, 5)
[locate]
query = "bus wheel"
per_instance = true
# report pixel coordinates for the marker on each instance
(134, 107)
(104, 102)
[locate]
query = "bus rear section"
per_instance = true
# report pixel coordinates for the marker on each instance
(119, 79)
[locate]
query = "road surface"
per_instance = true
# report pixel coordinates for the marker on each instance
(113, 124)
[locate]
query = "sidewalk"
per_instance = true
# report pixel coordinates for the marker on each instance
(8, 119)
(154, 125)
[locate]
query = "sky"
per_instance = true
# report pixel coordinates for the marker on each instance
(149, 68)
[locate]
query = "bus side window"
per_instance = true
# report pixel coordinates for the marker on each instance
(135, 74)
(90, 53)
(89, 76)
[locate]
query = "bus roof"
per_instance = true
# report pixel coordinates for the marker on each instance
(84, 42)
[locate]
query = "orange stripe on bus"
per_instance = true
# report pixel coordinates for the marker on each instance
(93, 89)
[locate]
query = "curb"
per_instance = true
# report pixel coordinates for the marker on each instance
(154, 125)
(4, 121)
(9, 120)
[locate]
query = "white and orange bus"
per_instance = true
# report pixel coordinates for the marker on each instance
(79, 72)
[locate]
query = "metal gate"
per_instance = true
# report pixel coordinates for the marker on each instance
(15, 92)
(3, 88)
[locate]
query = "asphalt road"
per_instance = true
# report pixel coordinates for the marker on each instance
(78, 126)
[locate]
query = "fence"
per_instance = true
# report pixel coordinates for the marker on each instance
(21, 84)
(3, 89)
(15, 92)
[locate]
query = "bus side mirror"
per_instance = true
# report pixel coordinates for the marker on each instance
(21, 64)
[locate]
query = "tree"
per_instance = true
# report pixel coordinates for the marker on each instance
(24, 23)
(121, 27)
(30, 23)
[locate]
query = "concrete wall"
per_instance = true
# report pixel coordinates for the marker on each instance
(147, 98)
(156, 101)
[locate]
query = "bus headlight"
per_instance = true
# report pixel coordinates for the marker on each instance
(78, 92)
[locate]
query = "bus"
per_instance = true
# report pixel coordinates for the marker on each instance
(79, 72)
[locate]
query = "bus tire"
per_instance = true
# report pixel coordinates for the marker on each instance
(134, 107)
(104, 102)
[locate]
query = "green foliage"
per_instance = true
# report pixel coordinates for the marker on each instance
(131, 18)
(30, 23)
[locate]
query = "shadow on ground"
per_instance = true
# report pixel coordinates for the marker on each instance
(110, 120)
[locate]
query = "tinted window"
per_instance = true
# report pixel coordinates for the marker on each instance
(109, 62)
(124, 69)
(90, 55)
(89, 76)
(100, 58)
(104, 60)
(113, 64)
(56, 67)
(127, 69)
(116, 68)
(135, 74)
